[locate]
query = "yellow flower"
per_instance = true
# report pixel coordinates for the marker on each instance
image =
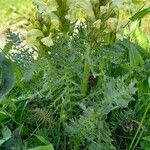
(47, 41)
(54, 21)
(97, 23)
(80, 10)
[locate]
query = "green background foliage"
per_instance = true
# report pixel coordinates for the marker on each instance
(82, 80)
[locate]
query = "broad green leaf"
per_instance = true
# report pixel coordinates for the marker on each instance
(141, 39)
(2, 141)
(140, 14)
(48, 147)
(6, 133)
(47, 41)
(42, 139)
(3, 116)
(7, 76)
(15, 141)
(135, 56)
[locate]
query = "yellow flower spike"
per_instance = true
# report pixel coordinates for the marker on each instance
(41, 6)
(33, 36)
(47, 41)
(80, 10)
(94, 1)
(112, 24)
(52, 4)
(80, 15)
(55, 23)
(97, 24)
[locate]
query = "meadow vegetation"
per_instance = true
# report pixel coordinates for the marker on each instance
(78, 78)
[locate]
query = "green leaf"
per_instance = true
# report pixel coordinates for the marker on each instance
(28, 74)
(145, 145)
(48, 147)
(141, 39)
(2, 141)
(140, 14)
(147, 138)
(15, 142)
(149, 82)
(94, 146)
(117, 94)
(135, 56)
(3, 116)
(42, 139)
(6, 133)
(7, 76)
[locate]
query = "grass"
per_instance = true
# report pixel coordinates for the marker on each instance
(86, 90)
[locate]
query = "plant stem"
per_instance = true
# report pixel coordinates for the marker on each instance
(102, 71)
(86, 73)
(138, 130)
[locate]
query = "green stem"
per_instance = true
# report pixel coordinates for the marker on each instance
(140, 126)
(42, 52)
(100, 80)
(102, 70)
(86, 73)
